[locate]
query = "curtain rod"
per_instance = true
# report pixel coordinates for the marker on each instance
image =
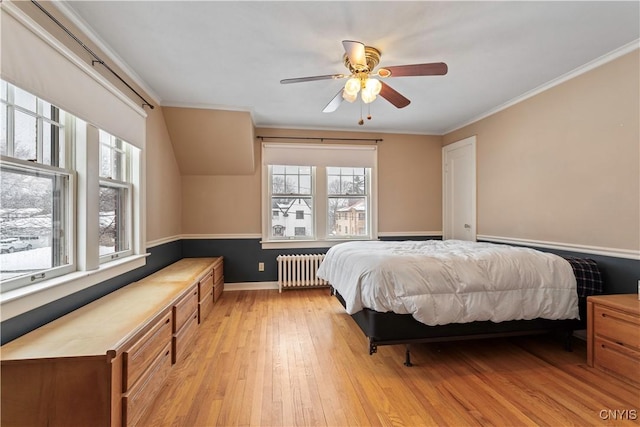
(95, 57)
(376, 140)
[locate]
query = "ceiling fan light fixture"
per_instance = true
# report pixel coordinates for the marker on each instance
(368, 97)
(352, 87)
(371, 88)
(351, 97)
(374, 86)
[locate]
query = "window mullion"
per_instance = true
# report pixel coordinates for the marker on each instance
(11, 145)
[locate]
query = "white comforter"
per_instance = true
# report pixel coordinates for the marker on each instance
(452, 281)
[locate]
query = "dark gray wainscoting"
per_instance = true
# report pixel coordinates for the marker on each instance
(160, 256)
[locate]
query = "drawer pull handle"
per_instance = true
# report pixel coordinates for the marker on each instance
(167, 321)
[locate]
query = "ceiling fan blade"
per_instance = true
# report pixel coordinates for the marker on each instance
(431, 69)
(393, 96)
(313, 78)
(355, 52)
(334, 103)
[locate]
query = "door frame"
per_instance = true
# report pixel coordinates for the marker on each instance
(446, 226)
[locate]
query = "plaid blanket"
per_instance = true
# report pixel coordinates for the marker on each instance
(588, 277)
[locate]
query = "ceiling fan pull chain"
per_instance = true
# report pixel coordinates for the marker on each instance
(369, 115)
(361, 121)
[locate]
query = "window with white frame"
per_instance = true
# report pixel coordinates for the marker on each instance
(318, 194)
(348, 202)
(41, 203)
(291, 201)
(36, 189)
(115, 197)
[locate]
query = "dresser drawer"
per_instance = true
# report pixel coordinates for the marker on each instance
(144, 351)
(143, 393)
(204, 306)
(205, 286)
(217, 289)
(617, 359)
(617, 326)
(184, 309)
(183, 339)
(218, 271)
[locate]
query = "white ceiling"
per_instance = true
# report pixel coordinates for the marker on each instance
(232, 55)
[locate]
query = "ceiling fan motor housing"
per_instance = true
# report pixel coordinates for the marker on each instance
(372, 56)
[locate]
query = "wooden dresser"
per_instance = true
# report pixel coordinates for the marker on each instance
(613, 335)
(104, 363)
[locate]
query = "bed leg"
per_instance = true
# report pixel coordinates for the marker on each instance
(567, 340)
(407, 356)
(373, 348)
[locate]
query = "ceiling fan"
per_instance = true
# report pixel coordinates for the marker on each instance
(361, 61)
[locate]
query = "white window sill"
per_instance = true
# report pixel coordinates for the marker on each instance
(305, 244)
(26, 298)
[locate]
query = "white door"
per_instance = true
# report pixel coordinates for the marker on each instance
(459, 190)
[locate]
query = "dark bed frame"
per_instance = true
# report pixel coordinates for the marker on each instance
(391, 328)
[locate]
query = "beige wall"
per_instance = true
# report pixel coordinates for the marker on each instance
(163, 182)
(563, 166)
(409, 194)
(211, 142)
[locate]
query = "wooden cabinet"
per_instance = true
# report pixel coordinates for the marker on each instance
(218, 279)
(138, 357)
(205, 296)
(143, 392)
(185, 313)
(103, 364)
(613, 335)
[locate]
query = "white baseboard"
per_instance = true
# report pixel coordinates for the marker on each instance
(250, 286)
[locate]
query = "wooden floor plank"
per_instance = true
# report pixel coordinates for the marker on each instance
(267, 359)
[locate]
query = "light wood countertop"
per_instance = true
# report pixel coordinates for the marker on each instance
(101, 327)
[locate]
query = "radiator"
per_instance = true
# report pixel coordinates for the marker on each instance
(299, 271)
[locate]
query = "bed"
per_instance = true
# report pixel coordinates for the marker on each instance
(422, 291)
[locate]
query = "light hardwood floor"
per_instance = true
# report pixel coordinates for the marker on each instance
(296, 358)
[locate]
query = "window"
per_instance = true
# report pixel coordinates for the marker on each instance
(322, 194)
(291, 194)
(115, 198)
(52, 200)
(348, 202)
(36, 190)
